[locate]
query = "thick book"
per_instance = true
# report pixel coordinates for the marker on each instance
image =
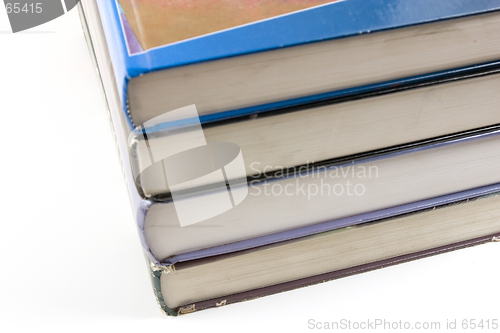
(240, 57)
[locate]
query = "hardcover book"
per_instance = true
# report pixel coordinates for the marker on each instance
(212, 53)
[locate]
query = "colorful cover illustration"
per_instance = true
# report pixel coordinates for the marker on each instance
(157, 23)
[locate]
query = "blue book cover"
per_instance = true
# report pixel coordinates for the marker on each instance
(145, 36)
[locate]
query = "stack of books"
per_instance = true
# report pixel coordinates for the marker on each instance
(276, 144)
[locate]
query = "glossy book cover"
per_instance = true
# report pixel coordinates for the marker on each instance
(147, 35)
(158, 23)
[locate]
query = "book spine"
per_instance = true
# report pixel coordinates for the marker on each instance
(118, 52)
(155, 275)
(119, 123)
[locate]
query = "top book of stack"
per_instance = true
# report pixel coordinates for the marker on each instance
(168, 55)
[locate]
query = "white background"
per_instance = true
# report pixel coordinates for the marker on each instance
(70, 256)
